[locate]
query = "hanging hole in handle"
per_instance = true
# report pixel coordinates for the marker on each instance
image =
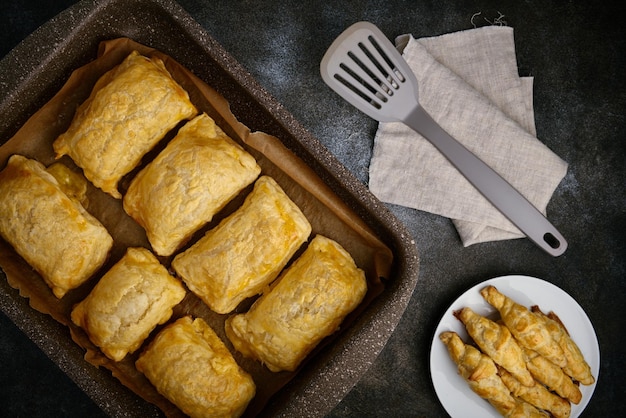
(551, 240)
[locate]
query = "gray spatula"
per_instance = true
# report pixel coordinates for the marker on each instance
(364, 68)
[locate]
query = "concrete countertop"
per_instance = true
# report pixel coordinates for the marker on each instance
(576, 53)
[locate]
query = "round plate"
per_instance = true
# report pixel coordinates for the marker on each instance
(453, 391)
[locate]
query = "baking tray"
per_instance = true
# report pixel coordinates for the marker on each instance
(37, 68)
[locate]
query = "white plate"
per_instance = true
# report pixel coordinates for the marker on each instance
(454, 393)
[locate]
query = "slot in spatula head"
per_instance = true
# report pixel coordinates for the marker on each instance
(364, 68)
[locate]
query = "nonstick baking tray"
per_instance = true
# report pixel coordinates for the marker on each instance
(37, 68)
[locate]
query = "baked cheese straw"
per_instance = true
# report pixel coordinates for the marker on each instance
(552, 376)
(496, 341)
(577, 367)
(537, 395)
(481, 373)
(529, 330)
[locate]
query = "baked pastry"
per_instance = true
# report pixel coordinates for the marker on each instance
(52, 232)
(525, 410)
(194, 177)
(577, 367)
(129, 110)
(527, 328)
(189, 365)
(128, 302)
(247, 250)
(306, 304)
(481, 373)
(552, 376)
(496, 341)
(73, 184)
(537, 395)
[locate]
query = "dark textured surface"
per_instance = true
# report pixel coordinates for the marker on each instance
(575, 51)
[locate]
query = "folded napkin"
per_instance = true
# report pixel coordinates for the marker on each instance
(469, 83)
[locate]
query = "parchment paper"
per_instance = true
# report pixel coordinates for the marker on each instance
(326, 212)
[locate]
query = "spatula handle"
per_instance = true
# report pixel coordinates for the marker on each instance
(493, 187)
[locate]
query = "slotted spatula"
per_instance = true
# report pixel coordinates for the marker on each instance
(364, 68)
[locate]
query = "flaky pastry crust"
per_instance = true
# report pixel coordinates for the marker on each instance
(577, 367)
(194, 177)
(129, 301)
(189, 365)
(129, 111)
(481, 373)
(307, 303)
(537, 395)
(52, 232)
(247, 250)
(552, 376)
(497, 342)
(527, 328)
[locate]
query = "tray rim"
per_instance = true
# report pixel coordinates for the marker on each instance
(302, 391)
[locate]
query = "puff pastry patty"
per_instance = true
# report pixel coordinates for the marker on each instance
(194, 177)
(247, 250)
(128, 302)
(130, 109)
(307, 303)
(53, 233)
(189, 365)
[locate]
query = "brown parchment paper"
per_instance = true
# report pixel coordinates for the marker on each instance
(326, 212)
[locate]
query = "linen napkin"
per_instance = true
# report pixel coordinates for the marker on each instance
(469, 83)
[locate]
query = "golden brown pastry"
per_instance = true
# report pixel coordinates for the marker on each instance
(496, 341)
(537, 395)
(129, 301)
(529, 330)
(247, 250)
(576, 367)
(53, 233)
(72, 184)
(552, 376)
(189, 365)
(481, 373)
(194, 177)
(307, 303)
(525, 410)
(130, 109)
